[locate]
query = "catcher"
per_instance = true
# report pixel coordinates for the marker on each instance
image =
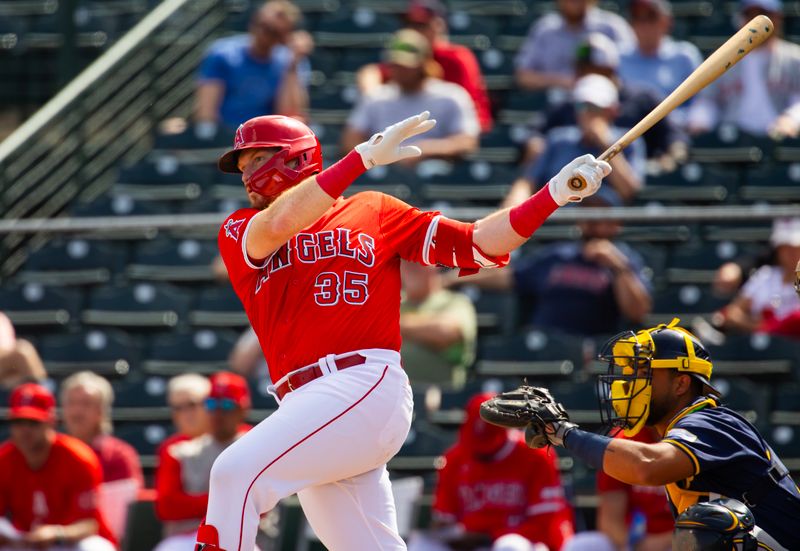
(660, 377)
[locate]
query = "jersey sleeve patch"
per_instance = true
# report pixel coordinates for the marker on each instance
(681, 434)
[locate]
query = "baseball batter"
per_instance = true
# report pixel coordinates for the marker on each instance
(319, 278)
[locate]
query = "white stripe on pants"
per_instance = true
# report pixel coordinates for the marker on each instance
(329, 441)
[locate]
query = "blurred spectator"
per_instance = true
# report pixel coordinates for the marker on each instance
(19, 361)
(263, 72)
(186, 396)
(628, 517)
(731, 275)
(761, 94)
(768, 302)
(584, 287)
(658, 63)
(596, 106)
(665, 143)
(86, 400)
(439, 328)
(183, 473)
(247, 357)
(494, 491)
(797, 278)
(546, 58)
(48, 481)
(456, 63)
(410, 90)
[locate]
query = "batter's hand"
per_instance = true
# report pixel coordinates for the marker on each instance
(592, 171)
(384, 147)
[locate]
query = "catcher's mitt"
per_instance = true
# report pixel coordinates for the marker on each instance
(533, 408)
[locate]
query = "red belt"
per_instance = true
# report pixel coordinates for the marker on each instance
(302, 376)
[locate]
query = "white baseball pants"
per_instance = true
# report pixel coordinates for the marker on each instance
(329, 442)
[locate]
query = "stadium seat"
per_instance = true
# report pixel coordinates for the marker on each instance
(119, 205)
(758, 356)
(684, 301)
(772, 182)
(497, 311)
(423, 446)
(691, 183)
(533, 354)
(217, 306)
(163, 180)
(192, 139)
(144, 436)
(476, 181)
(142, 305)
(33, 305)
(186, 260)
(74, 262)
(786, 405)
(140, 392)
(697, 262)
(749, 398)
(363, 27)
(144, 530)
(110, 353)
(579, 399)
(202, 351)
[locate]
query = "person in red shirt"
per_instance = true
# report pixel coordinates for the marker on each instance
(496, 492)
(48, 481)
(457, 63)
(86, 399)
(185, 465)
(319, 278)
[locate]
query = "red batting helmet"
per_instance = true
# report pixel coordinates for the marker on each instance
(294, 139)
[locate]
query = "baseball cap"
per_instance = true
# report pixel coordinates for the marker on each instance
(407, 48)
(785, 231)
(32, 401)
(230, 386)
(775, 6)
(599, 50)
(661, 6)
(422, 11)
(597, 90)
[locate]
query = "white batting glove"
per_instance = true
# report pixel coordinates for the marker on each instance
(592, 171)
(384, 147)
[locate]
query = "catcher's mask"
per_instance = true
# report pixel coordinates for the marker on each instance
(293, 140)
(624, 391)
(717, 525)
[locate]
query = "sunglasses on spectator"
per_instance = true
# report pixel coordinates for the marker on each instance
(586, 106)
(186, 406)
(222, 404)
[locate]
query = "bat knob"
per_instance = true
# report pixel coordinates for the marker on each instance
(576, 184)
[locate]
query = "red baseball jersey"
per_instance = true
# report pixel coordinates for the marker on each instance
(519, 492)
(61, 492)
(335, 286)
(651, 501)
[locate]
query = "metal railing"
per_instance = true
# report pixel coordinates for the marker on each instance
(109, 226)
(72, 146)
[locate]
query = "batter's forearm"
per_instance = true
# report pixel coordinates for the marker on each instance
(505, 230)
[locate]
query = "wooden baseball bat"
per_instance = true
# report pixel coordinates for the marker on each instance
(726, 56)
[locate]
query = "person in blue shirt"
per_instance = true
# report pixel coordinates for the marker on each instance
(263, 72)
(661, 377)
(585, 287)
(657, 63)
(596, 103)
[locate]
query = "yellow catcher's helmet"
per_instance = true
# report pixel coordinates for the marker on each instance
(625, 390)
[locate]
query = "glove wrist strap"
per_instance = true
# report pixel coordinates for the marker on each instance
(338, 177)
(526, 217)
(587, 446)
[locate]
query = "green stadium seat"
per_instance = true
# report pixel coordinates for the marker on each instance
(201, 351)
(142, 305)
(684, 301)
(186, 260)
(119, 205)
(772, 182)
(534, 354)
(217, 306)
(140, 392)
(166, 179)
(74, 262)
(110, 352)
(476, 181)
(757, 356)
(143, 528)
(36, 306)
(697, 262)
